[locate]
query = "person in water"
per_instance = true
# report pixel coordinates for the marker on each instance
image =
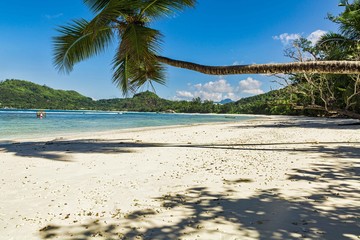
(40, 114)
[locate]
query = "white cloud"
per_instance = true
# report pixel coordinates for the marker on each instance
(220, 86)
(184, 95)
(220, 89)
(213, 90)
(315, 36)
(287, 38)
(250, 86)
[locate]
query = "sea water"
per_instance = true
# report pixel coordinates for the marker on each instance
(19, 124)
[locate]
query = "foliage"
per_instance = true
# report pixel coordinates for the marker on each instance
(26, 95)
(329, 93)
(274, 102)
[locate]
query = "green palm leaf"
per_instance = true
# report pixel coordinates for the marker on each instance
(129, 77)
(331, 38)
(336, 46)
(117, 10)
(78, 42)
(158, 8)
(121, 73)
(96, 5)
(349, 20)
(135, 61)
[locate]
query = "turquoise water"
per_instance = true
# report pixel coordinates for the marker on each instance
(15, 124)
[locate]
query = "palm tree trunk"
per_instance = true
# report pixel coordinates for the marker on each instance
(334, 67)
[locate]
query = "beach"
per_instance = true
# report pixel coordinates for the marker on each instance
(266, 178)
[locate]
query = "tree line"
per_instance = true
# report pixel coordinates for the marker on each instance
(22, 94)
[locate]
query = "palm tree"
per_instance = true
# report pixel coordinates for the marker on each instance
(344, 45)
(349, 20)
(137, 60)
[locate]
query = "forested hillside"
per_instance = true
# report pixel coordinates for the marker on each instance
(273, 102)
(26, 95)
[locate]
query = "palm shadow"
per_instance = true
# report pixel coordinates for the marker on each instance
(327, 149)
(267, 214)
(321, 123)
(60, 150)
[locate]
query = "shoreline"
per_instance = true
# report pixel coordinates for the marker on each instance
(267, 178)
(89, 133)
(61, 136)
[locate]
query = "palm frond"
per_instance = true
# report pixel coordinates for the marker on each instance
(116, 11)
(121, 71)
(141, 41)
(350, 24)
(152, 72)
(158, 8)
(135, 62)
(336, 46)
(129, 78)
(330, 38)
(96, 5)
(349, 20)
(78, 42)
(99, 5)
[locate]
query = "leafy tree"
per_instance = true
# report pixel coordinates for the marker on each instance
(137, 60)
(330, 93)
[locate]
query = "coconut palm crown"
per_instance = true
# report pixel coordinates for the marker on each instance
(137, 60)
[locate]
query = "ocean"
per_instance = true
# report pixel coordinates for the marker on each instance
(22, 124)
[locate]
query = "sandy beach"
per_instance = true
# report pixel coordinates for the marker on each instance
(268, 178)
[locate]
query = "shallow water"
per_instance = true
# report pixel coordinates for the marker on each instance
(16, 124)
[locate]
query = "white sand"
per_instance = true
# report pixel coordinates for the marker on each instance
(271, 178)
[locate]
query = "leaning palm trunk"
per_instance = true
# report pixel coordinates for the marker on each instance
(334, 67)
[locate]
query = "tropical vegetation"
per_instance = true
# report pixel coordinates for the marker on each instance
(27, 95)
(329, 93)
(22, 94)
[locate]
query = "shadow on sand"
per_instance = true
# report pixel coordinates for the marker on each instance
(323, 123)
(226, 214)
(198, 212)
(60, 150)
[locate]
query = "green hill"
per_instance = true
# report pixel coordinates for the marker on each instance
(142, 102)
(27, 95)
(273, 102)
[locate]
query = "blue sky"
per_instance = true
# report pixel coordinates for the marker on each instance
(215, 33)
